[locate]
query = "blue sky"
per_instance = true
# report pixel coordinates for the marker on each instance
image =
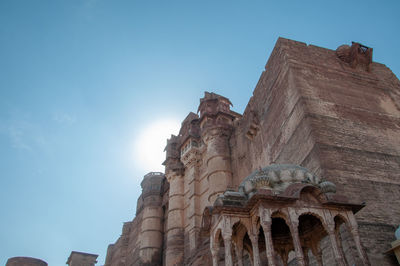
(82, 80)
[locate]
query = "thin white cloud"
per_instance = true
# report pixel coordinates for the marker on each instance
(64, 118)
(18, 138)
(24, 135)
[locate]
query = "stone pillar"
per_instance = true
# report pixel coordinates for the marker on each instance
(294, 225)
(340, 245)
(316, 251)
(175, 227)
(151, 231)
(214, 246)
(228, 249)
(256, 251)
(239, 252)
(338, 257)
(174, 171)
(269, 245)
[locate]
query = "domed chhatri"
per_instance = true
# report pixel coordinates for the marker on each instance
(278, 177)
(280, 198)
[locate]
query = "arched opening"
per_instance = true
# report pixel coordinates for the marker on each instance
(242, 247)
(262, 255)
(312, 234)
(261, 246)
(282, 240)
(247, 251)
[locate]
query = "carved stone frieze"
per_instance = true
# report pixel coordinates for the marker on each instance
(191, 157)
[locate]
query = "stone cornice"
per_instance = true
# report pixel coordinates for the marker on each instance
(191, 157)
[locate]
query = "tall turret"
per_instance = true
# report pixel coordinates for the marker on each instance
(151, 232)
(216, 124)
(175, 227)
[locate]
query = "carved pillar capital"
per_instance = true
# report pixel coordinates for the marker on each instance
(253, 238)
(214, 249)
(330, 228)
(227, 237)
(266, 225)
(294, 226)
(265, 215)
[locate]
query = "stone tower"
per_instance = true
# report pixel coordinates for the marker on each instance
(25, 261)
(175, 227)
(151, 231)
(142, 240)
(216, 124)
(260, 187)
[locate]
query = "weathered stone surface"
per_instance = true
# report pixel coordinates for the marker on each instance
(82, 259)
(335, 113)
(25, 261)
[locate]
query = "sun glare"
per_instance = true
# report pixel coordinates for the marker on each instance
(150, 144)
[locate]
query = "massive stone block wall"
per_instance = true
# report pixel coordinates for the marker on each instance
(314, 110)
(338, 117)
(355, 121)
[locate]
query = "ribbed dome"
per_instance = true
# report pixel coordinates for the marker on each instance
(277, 177)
